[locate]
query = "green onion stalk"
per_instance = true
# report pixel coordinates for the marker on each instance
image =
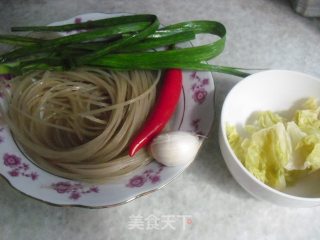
(118, 43)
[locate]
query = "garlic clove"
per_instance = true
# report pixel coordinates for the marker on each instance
(175, 148)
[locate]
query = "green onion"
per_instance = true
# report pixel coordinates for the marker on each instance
(119, 43)
(102, 23)
(76, 38)
(18, 40)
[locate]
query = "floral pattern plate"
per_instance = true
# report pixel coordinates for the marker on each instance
(194, 113)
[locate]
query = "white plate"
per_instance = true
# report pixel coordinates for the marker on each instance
(194, 113)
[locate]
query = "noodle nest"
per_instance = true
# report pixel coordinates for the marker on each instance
(77, 124)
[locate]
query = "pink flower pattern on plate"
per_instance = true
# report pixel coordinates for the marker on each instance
(77, 21)
(196, 126)
(148, 175)
(17, 167)
(198, 88)
(74, 190)
(4, 82)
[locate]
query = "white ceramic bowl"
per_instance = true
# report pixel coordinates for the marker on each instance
(275, 90)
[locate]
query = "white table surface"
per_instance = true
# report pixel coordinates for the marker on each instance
(261, 34)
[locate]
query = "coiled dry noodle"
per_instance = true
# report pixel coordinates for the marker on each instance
(77, 124)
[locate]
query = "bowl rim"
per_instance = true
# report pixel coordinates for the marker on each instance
(228, 147)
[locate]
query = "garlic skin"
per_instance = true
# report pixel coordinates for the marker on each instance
(175, 148)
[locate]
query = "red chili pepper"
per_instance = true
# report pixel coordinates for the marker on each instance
(163, 109)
